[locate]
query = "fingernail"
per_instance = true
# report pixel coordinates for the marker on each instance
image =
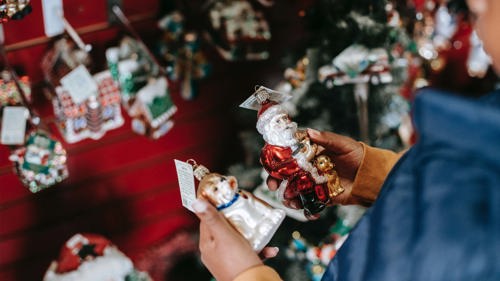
(312, 132)
(199, 206)
(275, 250)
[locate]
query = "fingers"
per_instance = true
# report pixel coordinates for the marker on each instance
(210, 218)
(311, 217)
(272, 183)
(269, 252)
(333, 142)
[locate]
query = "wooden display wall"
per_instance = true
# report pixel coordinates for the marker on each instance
(122, 186)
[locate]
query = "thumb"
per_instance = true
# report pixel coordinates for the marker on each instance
(332, 142)
(209, 215)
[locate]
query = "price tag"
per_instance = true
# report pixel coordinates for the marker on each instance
(52, 11)
(79, 84)
(14, 124)
(186, 183)
(253, 104)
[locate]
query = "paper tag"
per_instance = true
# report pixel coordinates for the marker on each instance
(52, 17)
(79, 84)
(14, 124)
(186, 183)
(253, 104)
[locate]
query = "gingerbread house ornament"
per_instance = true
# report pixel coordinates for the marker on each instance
(152, 109)
(88, 115)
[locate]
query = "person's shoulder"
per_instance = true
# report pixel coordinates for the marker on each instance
(492, 99)
(470, 124)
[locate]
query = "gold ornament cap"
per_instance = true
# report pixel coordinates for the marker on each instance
(199, 171)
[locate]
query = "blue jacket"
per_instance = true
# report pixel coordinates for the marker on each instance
(437, 216)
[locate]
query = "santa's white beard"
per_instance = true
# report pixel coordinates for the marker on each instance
(112, 266)
(282, 136)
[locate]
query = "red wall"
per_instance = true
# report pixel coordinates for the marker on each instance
(124, 185)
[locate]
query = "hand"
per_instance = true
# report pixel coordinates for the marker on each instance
(347, 155)
(224, 251)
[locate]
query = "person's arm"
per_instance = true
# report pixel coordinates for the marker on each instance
(374, 168)
(258, 273)
(225, 252)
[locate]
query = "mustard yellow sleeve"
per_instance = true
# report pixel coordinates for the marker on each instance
(374, 168)
(258, 273)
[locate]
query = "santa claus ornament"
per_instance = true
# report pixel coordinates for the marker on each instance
(290, 156)
(91, 257)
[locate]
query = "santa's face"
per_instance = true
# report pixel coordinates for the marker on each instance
(281, 131)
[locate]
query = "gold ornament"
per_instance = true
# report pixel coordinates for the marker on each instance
(325, 165)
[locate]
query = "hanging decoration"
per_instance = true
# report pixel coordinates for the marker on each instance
(145, 92)
(93, 114)
(238, 31)
(85, 105)
(358, 66)
(39, 159)
(143, 83)
(181, 50)
(41, 162)
(92, 257)
(14, 9)
(9, 95)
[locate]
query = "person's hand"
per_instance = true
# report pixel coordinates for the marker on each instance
(224, 251)
(347, 155)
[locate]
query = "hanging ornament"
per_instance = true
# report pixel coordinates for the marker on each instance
(190, 66)
(290, 156)
(41, 162)
(152, 109)
(91, 257)
(297, 75)
(14, 9)
(173, 32)
(358, 66)
(61, 59)
(182, 53)
(253, 218)
(9, 95)
(87, 106)
(144, 88)
(238, 31)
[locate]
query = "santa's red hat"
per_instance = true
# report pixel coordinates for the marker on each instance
(71, 255)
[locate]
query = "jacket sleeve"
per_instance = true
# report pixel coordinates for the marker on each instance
(374, 168)
(260, 273)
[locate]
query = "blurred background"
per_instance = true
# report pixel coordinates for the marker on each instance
(99, 97)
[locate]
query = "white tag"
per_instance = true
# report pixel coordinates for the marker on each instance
(14, 124)
(186, 183)
(52, 17)
(79, 84)
(253, 104)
